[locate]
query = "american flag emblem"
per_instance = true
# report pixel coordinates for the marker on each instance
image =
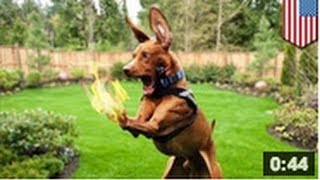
(300, 21)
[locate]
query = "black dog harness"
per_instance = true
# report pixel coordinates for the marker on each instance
(187, 95)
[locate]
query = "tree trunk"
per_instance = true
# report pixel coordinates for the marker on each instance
(186, 27)
(89, 10)
(218, 40)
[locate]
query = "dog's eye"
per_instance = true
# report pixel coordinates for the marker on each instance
(145, 55)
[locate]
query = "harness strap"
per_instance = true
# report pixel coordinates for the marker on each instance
(186, 95)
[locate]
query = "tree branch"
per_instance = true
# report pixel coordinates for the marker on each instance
(236, 12)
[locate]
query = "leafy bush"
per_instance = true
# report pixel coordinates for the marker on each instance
(36, 131)
(209, 73)
(10, 79)
(33, 79)
(35, 143)
(244, 79)
(38, 62)
(103, 72)
(50, 75)
(194, 74)
(116, 71)
(299, 123)
(7, 155)
(77, 73)
(227, 72)
(309, 65)
(38, 167)
(289, 68)
(287, 93)
(266, 45)
(309, 98)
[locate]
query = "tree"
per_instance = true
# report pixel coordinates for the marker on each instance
(90, 15)
(239, 32)
(9, 13)
(289, 67)
(111, 31)
(266, 46)
(37, 37)
(220, 24)
(226, 14)
(308, 65)
(68, 21)
(192, 29)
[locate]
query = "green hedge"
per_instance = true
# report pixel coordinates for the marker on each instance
(77, 73)
(209, 73)
(36, 140)
(116, 71)
(33, 79)
(298, 123)
(289, 67)
(36, 167)
(9, 79)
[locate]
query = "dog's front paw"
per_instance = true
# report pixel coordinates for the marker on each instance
(123, 120)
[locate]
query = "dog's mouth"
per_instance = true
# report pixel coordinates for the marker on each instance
(148, 85)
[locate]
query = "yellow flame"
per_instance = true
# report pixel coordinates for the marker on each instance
(106, 101)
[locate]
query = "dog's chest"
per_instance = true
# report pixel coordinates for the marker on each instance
(170, 148)
(180, 145)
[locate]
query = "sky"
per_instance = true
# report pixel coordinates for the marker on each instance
(133, 7)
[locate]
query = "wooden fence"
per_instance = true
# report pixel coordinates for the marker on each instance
(13, 57)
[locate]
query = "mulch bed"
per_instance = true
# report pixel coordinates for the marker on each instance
(311, 145)
(69, 169)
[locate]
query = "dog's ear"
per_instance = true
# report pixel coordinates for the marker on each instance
(141, 36)
(159, 25)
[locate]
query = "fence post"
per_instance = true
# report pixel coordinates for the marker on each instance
(17, 54)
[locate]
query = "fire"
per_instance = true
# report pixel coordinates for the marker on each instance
(107, 100)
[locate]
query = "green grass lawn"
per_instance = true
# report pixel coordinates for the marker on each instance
(107, 151)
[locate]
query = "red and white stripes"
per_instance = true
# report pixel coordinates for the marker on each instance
(299, 30)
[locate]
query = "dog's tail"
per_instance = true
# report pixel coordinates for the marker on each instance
(213, 123)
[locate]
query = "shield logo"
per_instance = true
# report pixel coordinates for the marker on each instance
(300, 21)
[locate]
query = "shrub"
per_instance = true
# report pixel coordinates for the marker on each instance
(288, 75)
(37, 167)
(7, 155)
(116, 71)
(309, 98)
(38, 62)
(10, 79)
(244, 79)
(50, 75)
(266, 45)
(227, 72)
(273, 85)
(309, 66)
(287, 93)
(194, 74)
(211, 73)
(36, 131)
(299, 123)
(33, 79)
(77, 73)
(103, 72)
(35, 143)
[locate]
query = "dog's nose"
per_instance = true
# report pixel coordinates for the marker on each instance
(126, 71)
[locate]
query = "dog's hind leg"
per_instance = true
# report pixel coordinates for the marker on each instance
(175, 168)
(211, 164)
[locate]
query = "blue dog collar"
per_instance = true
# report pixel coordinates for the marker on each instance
(169, 80)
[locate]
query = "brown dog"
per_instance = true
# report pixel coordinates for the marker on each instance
(168, 113)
